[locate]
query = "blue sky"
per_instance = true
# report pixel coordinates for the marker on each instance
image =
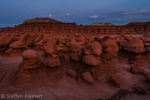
(85, 12)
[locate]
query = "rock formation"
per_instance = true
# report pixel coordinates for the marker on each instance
(51, 26)
(31, 60)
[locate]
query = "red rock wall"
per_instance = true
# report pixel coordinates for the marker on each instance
(59, 27)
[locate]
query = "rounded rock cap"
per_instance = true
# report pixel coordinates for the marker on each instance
(30, 54)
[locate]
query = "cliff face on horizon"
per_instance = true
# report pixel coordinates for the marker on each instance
(47, 25)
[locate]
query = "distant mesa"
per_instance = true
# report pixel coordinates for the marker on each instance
(103, 24)
(37, 20)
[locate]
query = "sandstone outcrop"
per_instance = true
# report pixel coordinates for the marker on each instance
(71, 73)
(31, 60)
(4, 43)
(52, 62)
(110, 49)
(16, 48)
(136, 46)
(48, 25)
(87, 77)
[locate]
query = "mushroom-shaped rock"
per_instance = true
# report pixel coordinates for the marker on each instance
(110, 49)
(87, 77)
(94, 48)
(28, 39)
(136, 46)
(147, 77)
(4, 43)
(71, 73)
(51, 46)
(72, 44)
(31, 59)
(16, 48)
(52, 62)
(91, 59)
(18, 45)
(110, 46)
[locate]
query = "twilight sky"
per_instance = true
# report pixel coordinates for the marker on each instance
(85, 12)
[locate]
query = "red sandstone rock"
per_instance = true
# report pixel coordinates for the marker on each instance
(28, 39)
(59, 27)
(36, 40)
(106, 37)
(4, 43)
(136, 46)
(71, 73)
(50, 49)
(18, 45)
(31, 59)
(94, 48)
(87, 77)
(136, 70)
(75, 57)
(52, 62)
(16, 48)
(110, 49)
(115, 80)
(147, 77)
(90, 59)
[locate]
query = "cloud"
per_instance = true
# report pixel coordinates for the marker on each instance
(94, 17)
(68, 14)
(136, 12)
(50, 15)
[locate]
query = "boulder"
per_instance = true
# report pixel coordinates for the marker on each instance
(52, 62)
(17, 45)
(136, 70)
(75, 57)
(80, 39)
(4, 43)
(94, 48)
(31, 59)
(136, 46)
(106, 37)
(110, 49)
(51, 47)
(87, 77)
(115, 80)
(16, 48)
(27, 39)
(90, 59)
(71, 73)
